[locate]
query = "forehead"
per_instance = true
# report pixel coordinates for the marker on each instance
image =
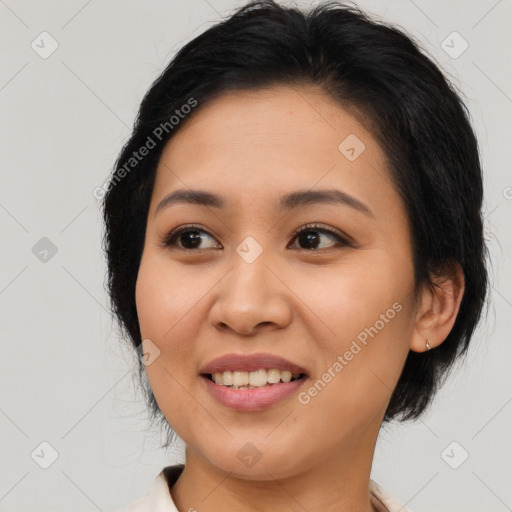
(262, 141)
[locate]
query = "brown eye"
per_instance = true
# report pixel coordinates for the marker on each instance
(186, 238)
(310, 237)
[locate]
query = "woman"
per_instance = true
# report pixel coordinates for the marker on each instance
(295, 249)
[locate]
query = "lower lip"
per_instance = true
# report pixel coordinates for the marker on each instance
(252, 399)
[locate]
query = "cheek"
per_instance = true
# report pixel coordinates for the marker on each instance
(369, 309)
(165, 308)
(352, 297)
(165, 298)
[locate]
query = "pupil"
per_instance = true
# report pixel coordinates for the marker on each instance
(312, 239)
(192, 235)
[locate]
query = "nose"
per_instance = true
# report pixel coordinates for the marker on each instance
(251, 299)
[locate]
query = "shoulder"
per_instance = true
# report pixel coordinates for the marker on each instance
(159, 498)
(383, 501)
(141, 505)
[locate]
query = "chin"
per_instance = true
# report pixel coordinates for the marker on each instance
(257, 464)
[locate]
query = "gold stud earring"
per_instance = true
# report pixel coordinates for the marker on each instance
(428, 346)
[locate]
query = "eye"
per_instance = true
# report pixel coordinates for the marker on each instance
(310, 238)
(188, 236)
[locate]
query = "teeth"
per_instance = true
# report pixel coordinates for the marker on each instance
(227, 379)
(250, 380)
(286, 376)
(240, 378)
(273, 376)
(258, 378)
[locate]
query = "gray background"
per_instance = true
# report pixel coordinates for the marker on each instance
(65, 376)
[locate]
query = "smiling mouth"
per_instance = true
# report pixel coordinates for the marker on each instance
(261, 378)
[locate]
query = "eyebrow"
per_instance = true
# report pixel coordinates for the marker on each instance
(297, 199)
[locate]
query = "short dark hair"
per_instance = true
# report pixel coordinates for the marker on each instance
(401, 96)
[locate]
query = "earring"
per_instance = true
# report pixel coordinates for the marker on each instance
(428, 346)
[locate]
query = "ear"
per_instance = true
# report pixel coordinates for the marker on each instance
(439, 304)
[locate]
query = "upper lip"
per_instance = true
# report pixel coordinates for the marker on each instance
(250, 363)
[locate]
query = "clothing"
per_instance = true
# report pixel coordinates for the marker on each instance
(160, 500)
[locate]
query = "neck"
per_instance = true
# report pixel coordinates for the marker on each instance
(337, 482)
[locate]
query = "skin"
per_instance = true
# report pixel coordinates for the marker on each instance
(306, 305)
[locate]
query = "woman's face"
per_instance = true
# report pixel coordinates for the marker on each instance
(336, 301)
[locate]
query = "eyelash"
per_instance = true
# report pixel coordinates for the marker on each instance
(342, 240)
